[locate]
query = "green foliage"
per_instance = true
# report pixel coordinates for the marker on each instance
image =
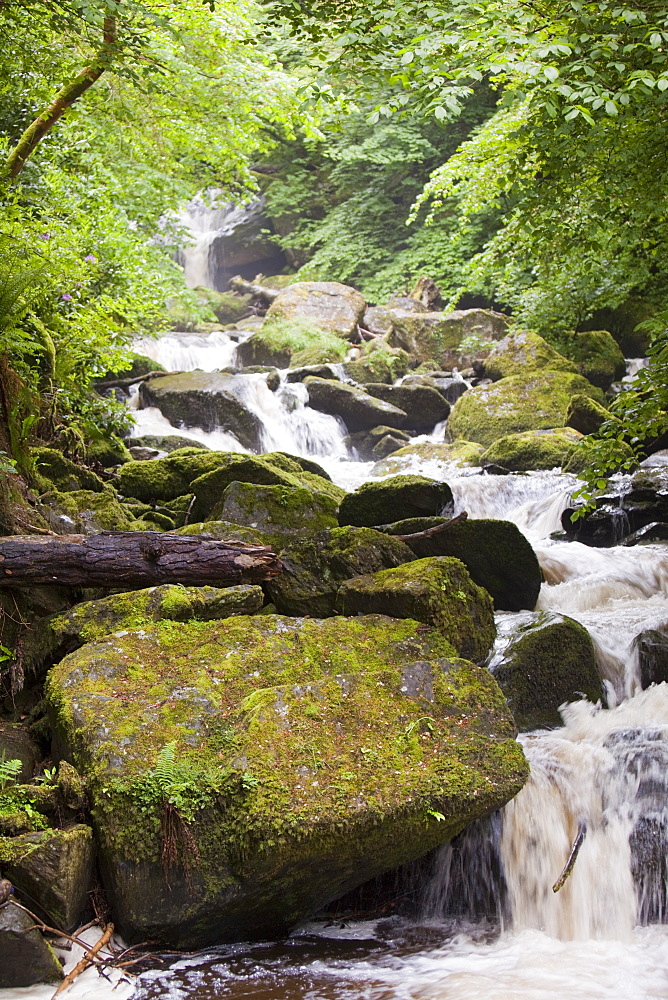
(9, 771)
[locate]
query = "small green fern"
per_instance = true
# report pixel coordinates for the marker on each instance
(165, 772)
(9, 771)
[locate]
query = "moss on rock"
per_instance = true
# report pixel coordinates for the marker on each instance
(438, 591)
(598, 357)
(279, 512)
(89, 512)
(315, 565)
(519, 403)
(53, 470)
(377, 503)
(532, 450)
(441, 458)
(522, 352)
(300, 758)
(108, 451)
(586, 415)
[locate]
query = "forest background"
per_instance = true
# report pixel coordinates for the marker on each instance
(513, 151)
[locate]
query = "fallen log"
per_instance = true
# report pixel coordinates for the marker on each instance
(262, 292)
(428, 532)
(132, 559)
(125, 383)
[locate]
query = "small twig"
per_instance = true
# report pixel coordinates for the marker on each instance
(125, 383)
(573, 856)
(428, 532)
(190, 507)
(85, 961)
(33, 527)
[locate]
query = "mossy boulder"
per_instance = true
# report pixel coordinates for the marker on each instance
(519, 403)
(54, 869)
(423, 405)
(225, 531)
(496, 554)
(358, 410)
(586, 415)
(279, 512)
(522, 352)
(211, 400)
(326, 304)
(378, 364)
(376, 443)
(168, 443)
(108, 451)
(438, 591)
(598, 357)
(54, 471)
(532, 450)
(541, 661)
(395, 498)
(297, 757)
(432, 336)
(282, 342)
(27, 957)
(435, 458)
(227, 307)
(85, 512)
(315, 565)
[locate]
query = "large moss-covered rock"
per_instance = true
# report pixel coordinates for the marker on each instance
(225, 531)
(54, 471)
(541, 661)
(26, 957)
(227, 307)
(532, 450)
(435, 458)
(519, 403)
(315, 566)
(496, 554)
(522, 352)
(212, 400)
(168, 443)
(301, 757)
(358, 410)
(586, 415)
(378, 364)
(392, 499)
(424, 406)
(327, 304)
(282, 342)
(53, 868)
(279, 512)
(85, 512)
(438, 591)
(108, 451)
(598, 357)
(430, 336)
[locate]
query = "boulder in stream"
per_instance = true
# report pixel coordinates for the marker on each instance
(358, 410)
(432, 336)
(268, 767)
(540, 661)
(327, 304)
(522, 352)
(533, 450)
(424, 405)
(278, 512)
(26, 957)
(376, 503)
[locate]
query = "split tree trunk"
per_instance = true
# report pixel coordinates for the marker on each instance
(132, 559)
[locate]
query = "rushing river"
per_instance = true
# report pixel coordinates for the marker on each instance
(606, 770)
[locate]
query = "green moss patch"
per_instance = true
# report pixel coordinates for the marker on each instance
(392, 499)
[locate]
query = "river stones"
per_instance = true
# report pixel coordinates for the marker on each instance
(424, 406)
(537, 401)
(327, 304)
(432, 336)
(521, 352)
(54, 869)
(314, 567)
(376, 503)
(211, 400)
(495, 552)
(533, 450)
(541, 661)
(438, 591)
(358, 410)
(651, 648)
(268, 767)
(26, 957)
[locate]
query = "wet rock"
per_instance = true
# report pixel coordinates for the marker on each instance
(423, 405)
(279, 512)
(211, 400)
(522, 352)
(319, 371)
(652, 651)
(365, 443)
(169, 443)
(376, 503)
(382, 365)
(53, 869)
(441, 458)
(328, 304)
(430, 336)
(140, 454)
(16, 744)
(27, 958)
(540, 661)
(358, 410)
(88, 513)
(304, 765)
(315, 566)
(619, 515)
(586, 415)
(519, 403)
(496, 554)
(437, 591)
(533, 450)
(451, 387)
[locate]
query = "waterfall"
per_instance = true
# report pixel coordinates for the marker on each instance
(185, 352)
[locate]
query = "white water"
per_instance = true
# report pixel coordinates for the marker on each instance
(184, 352)
(606, 768)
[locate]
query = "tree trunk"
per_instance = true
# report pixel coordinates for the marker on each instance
(63, 100)
(132, 559)
(239, 284)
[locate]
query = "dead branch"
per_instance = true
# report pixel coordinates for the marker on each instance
(436, 530)
(573, 856)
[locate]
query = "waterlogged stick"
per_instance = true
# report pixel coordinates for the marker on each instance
(572, 857)
(85, 961)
